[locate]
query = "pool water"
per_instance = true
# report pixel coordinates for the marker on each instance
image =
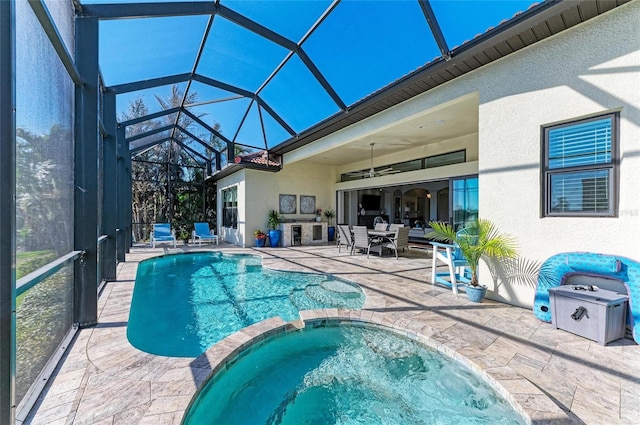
(346, 375)
(183, 304)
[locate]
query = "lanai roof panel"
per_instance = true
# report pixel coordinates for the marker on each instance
(362, 57)
(362, 46)
(237, 56)
(292, 19)
(141, 49)
(297, 96)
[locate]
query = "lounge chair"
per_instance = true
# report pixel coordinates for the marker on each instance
(202, 233)
(344, 237)
(400, 240)
(162, 233)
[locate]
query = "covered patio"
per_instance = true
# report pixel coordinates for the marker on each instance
(119, 115)
(554, 376)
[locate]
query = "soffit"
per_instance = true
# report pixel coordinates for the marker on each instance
(521, 31)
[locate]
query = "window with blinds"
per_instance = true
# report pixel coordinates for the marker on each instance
(579, 170)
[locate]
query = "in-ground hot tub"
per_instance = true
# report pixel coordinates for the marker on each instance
(346, 374)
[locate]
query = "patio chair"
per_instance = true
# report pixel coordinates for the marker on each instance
(380, 226)
(379, 220)
(394, 226)
(361, 240)
(162, 233)
(202, 233)
(400, 240)
(451, 256)
(344, 237)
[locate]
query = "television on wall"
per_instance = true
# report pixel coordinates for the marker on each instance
(370, 202)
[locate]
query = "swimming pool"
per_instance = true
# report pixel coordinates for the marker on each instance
(346, 374)
(184, 303)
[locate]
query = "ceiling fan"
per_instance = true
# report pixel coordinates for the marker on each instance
(372, 171)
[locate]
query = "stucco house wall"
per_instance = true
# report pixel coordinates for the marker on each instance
(591, 69)
(258, 192)
(234, 236)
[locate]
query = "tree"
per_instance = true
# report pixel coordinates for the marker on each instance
(479, 238)
(167, 181)
(44, 194)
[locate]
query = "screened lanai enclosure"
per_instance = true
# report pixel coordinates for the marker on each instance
(117, 115)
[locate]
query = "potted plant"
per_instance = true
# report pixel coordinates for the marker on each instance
(273, 223)
(183, 234)
(330, 214)
(260, 238)
(479, 239)
(319, 214)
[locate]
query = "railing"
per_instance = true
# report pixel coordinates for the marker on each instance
(32, 279)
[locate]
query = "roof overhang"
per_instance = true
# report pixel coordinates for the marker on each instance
(539, 22)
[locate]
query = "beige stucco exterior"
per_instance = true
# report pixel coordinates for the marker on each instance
(590, 69)
(258, 192)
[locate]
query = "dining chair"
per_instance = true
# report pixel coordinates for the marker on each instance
(399, 240)
(380, 226)
(362, 240)
(344, 237)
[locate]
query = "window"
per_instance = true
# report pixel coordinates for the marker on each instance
(580, 167)
(440, 160)
(230, 208)
(449, 158)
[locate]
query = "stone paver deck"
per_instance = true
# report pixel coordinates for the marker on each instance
(554, 376)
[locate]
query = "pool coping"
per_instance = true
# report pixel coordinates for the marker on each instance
(104, 379)
(518, 391)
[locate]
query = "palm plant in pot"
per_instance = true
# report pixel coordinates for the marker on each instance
(330, 214)
(273, 223)
(479, 239)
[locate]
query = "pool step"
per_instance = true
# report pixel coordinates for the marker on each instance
(328, 294)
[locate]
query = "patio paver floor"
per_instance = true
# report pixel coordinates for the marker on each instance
(555, 376)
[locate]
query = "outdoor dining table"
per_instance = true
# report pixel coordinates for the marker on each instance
(384, 235)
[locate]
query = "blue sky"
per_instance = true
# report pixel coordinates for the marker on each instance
(360, 47)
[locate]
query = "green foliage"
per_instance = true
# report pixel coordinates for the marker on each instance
(273, 219)
(478, 239)
(27, 262)
(167, 182)
(44, 198)
(329, 214)
(259, 234)
(44, 315)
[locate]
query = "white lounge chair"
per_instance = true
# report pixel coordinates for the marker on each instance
(202, 233)
(162, 233)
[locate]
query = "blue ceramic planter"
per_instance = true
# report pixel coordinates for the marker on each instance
(475, 293)
(274, 238)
